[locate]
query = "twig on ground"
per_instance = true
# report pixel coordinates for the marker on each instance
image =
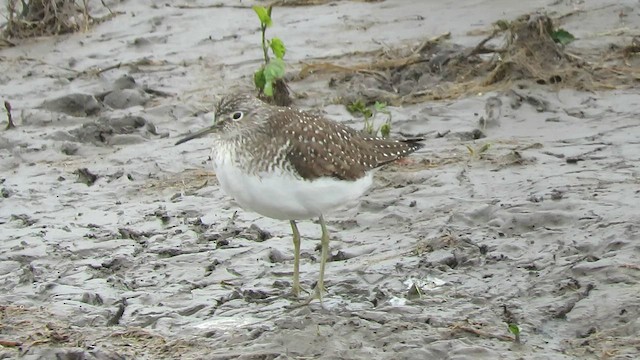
(10, 125)
(481, 333)
(10, 343)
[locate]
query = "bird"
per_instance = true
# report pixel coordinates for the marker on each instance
(290, 164)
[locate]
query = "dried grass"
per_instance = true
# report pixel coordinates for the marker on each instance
(34, 18)
(528, 53)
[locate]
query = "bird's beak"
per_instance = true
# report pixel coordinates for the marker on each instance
(198, 134)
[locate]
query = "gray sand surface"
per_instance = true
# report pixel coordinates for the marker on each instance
(115, 244)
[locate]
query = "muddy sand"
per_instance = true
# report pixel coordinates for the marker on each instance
(523, 207)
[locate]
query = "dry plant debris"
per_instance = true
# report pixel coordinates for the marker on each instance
(531, 48)
(33, 18)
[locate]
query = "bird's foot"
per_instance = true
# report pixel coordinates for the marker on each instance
(295, 292)
(317, 294)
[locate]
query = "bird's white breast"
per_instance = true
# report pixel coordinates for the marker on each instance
(281, 195)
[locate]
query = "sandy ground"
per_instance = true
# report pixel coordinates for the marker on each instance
(116, 244)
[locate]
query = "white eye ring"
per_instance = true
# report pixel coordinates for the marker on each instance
(237, 115)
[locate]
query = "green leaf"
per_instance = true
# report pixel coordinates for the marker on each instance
(263, 15)
(359, 107)
(470, 149)
(356, 107)
(484, 148)
(259, 80)
(269, 10)
(268, 88)
(385, 130)
(274, 70)
(562, 36)
(514, 329)
(379, 106)
(277, 46)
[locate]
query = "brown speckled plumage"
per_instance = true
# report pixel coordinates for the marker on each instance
(304, 143)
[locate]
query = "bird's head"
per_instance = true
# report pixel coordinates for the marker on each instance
(234, 115)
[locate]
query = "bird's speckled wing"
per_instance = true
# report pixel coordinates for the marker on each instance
(319, 147)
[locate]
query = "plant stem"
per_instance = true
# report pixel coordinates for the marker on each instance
(263, 27)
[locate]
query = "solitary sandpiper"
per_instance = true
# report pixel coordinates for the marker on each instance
(291, 164)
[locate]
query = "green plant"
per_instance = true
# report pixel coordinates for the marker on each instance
(562, 36)
(559, 35)
(515, 330)
(369, 113)
(478, 151)
(273, 68)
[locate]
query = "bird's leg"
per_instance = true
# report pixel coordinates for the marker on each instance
(324, 241)
(296, 258)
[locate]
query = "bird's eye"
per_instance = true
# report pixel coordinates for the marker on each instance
(237, 115)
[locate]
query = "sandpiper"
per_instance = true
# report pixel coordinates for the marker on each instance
(291, 164)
